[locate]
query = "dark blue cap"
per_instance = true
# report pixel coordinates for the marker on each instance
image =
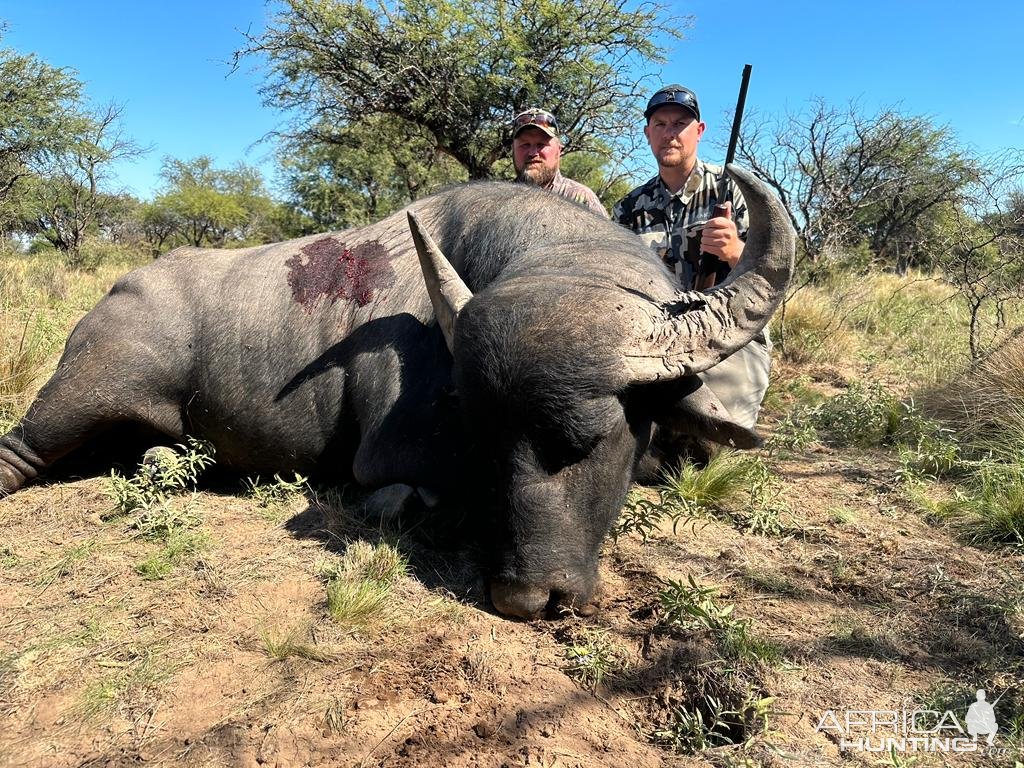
(673, 94)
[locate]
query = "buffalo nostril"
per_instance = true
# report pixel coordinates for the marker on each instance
(526, 602)
(571, 604)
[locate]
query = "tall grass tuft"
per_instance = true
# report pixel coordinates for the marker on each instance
(726, 478)
(985, 404)
(811, 329)
(40, 301)
(360, 584)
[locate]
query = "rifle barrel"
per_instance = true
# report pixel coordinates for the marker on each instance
(737, 117)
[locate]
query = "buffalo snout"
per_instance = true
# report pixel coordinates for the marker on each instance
(545, 598)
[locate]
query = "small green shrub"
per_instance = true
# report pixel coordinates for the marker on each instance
(163, 473)
(276, 492)
(689, 606)
(735, 487)
(863, 416)
(793, 433)
(592, 656)
(642, 516)
(694, 729)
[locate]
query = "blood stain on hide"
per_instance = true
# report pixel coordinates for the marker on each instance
(328, 269)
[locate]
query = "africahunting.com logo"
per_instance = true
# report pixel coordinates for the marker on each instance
(914, 729)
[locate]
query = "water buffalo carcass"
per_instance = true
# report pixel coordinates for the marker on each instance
(492, 339)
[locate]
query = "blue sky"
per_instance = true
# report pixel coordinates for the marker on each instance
(169, 64)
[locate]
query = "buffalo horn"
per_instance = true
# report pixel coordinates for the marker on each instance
(448, 293)
(697, 330)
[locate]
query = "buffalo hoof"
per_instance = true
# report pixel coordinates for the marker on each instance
(428, 497)
(387, 503)
(9, 482)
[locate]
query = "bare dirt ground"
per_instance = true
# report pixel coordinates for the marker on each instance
(870, 606)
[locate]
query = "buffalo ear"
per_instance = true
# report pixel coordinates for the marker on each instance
(686, 405)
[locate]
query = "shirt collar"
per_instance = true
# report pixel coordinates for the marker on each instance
(689, 188)
(556, 181)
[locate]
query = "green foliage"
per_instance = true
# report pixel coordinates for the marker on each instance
(762, 513)
(62, 200)
(689, 606)
(461, 69)
(988, 509)
(179, 544)
(594, 170)
(794, 433)
(208, 206)
(863, 415)
(735, 486)
(592, 656)
(697, 728)
(697, 491)
(933, 455)
(350, 175)
(163, 473)
(687, 494)
(149, 498)
(847, 177)
(276, 493)
(38, 111)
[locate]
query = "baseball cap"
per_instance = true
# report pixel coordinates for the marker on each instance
(673, 94)
(535, 118)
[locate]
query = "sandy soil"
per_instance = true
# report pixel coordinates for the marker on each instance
(870, 606)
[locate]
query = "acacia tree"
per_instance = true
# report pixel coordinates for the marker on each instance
(63, 199)
(846, 178)
(362, 172)
(983, 257)
(203, 205)
(37, 103)
(461, 69)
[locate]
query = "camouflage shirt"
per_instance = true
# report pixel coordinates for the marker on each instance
(671, 224)
(578, 193)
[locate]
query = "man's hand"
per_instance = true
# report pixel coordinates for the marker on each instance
(721, 239)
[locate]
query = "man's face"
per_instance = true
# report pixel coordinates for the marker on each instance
(535, 156)
(673, 133)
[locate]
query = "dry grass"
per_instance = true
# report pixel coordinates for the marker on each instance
(811, 329)
(40, 301)
(985, 404)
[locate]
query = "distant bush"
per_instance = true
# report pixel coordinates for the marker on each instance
(864, 415)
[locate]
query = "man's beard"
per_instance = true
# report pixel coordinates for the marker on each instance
(671, 158)
(538, 175)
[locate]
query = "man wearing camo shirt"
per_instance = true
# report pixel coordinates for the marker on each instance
(673, 214)
(537, 154)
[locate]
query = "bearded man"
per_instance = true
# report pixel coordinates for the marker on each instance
(537, 156)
